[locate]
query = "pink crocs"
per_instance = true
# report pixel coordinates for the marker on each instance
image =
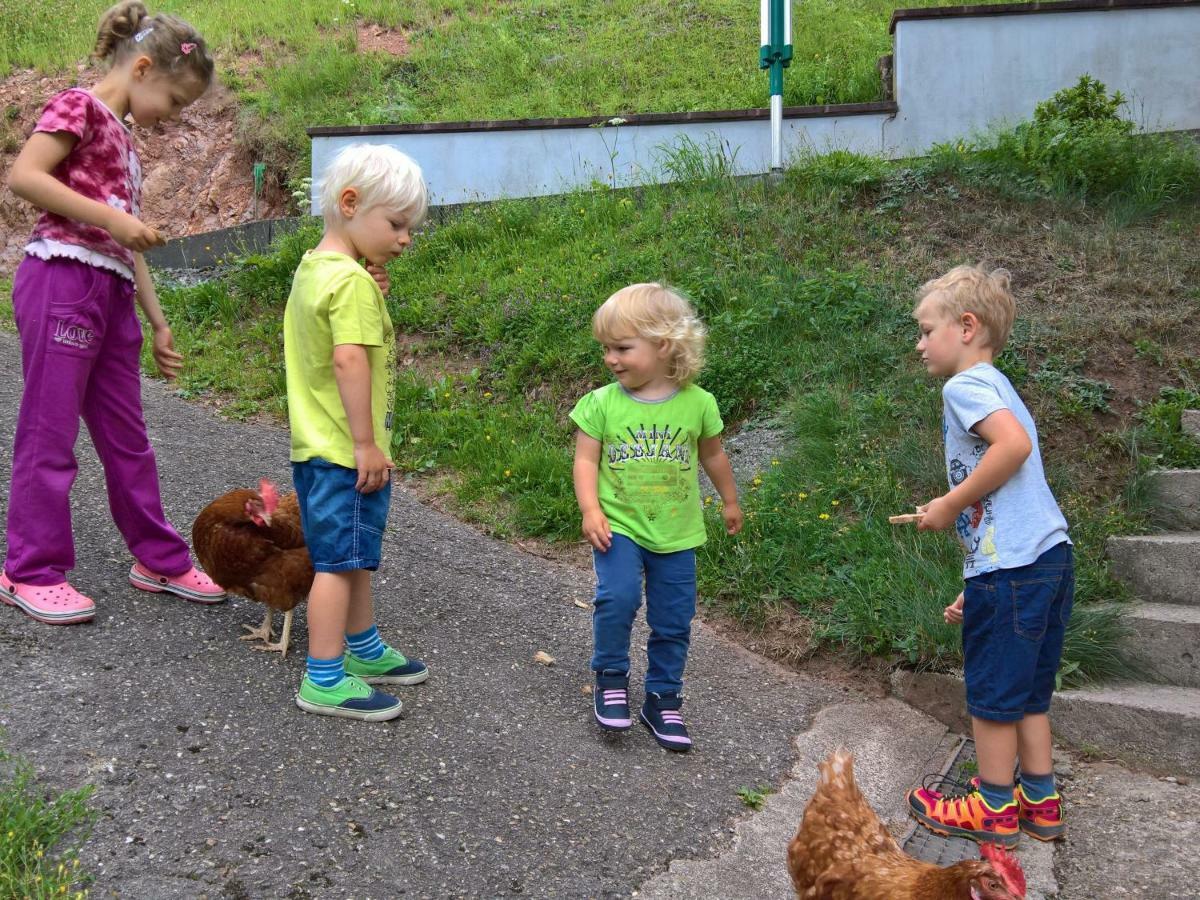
(54, 604)
(192, 585)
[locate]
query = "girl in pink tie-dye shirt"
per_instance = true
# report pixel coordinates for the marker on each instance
(73, 299)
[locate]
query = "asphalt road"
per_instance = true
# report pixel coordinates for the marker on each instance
(210, 782)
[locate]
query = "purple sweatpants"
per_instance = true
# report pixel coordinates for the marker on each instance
(80, 347)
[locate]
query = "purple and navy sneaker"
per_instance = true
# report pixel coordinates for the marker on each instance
(660, 713)
(611, 701)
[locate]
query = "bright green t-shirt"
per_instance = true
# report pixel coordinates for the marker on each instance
(649, 489)
(334, 301)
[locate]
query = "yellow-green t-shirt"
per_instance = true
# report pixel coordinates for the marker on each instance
(648, 486)
(334, 301)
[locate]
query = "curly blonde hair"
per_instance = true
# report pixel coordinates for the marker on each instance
(975, 290)
(655, 312)
(174, 46)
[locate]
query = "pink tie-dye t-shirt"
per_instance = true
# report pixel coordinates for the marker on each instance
(103, 166)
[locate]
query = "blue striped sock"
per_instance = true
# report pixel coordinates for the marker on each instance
(997, 796)
(1037, 787)
(366, 645)
(326, 673)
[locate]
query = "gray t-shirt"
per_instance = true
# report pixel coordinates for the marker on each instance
(1020, 520)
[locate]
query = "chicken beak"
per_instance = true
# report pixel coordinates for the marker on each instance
(266, 517)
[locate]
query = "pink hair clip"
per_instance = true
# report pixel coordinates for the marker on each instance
(187, 48)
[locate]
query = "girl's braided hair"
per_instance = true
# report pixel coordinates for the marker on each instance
(174, 46)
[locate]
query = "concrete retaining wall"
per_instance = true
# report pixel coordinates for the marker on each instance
(956, 71)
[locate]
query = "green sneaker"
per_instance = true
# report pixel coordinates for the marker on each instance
(391, 668)
(350, 698)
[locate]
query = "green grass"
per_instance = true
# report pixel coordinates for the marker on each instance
(40, 832)
(809, 319)
(294, 65)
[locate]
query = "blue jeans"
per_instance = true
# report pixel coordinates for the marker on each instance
(670, 582)
(342, 527)
(1014, 621)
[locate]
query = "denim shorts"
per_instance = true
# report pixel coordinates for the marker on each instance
(342, 527)
(1013, 626)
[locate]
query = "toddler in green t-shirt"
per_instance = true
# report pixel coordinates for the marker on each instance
(635, 473)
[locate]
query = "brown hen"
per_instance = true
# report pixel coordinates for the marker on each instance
(843, 852)
(250, 543)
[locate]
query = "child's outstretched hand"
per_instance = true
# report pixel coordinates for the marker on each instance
(732, 514)
(169, 362)
(938, 515)
(597, 530)
(953, 614)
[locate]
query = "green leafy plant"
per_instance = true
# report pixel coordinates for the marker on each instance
(754, 798)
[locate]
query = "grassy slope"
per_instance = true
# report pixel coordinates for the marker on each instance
(806, 289)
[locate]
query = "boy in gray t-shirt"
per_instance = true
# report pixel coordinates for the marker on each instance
(1019, 571)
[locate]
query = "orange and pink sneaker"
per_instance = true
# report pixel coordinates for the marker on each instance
(965, 815)
(192, 585)
(1042, 820)
(54, 604)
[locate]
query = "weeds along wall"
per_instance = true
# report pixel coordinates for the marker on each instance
(956, 71)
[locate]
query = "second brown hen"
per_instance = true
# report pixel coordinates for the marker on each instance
(842, 851)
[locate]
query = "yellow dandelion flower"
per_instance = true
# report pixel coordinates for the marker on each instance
(708, 500)
(834, 502)
(487, 395)
(774, 462)
(508, 473)
(447, 394)
(823, 516)
(802, 495)
(757, 480)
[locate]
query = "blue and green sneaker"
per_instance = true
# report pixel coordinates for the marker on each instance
(350, 698)
(391, 668)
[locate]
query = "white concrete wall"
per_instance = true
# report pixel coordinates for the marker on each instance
(484, 165)
(953, 77)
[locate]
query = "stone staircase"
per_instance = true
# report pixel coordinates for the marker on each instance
(1154, 722)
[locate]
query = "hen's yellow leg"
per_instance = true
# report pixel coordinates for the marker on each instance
(262, 632)
(285, 636)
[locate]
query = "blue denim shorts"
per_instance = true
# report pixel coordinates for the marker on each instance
(342, 527)
(1013, 626)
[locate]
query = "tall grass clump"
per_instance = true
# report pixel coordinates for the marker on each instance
(1079, 147)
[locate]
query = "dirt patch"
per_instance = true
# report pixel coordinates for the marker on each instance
(375, 38)
(416, 352)
(196, 176)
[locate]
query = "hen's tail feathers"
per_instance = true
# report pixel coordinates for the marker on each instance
(838, 769)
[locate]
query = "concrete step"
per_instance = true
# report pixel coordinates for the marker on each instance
(1190, 420)
(1165, 639)
(1159, 568)
(1156, 727)
(1176, 497)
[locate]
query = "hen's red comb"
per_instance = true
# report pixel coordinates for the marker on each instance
(1007, 866)
(269, 494)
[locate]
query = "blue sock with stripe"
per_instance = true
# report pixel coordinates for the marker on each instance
(1037, 787)
(366, 645)
(326, 673)
(997, 796)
